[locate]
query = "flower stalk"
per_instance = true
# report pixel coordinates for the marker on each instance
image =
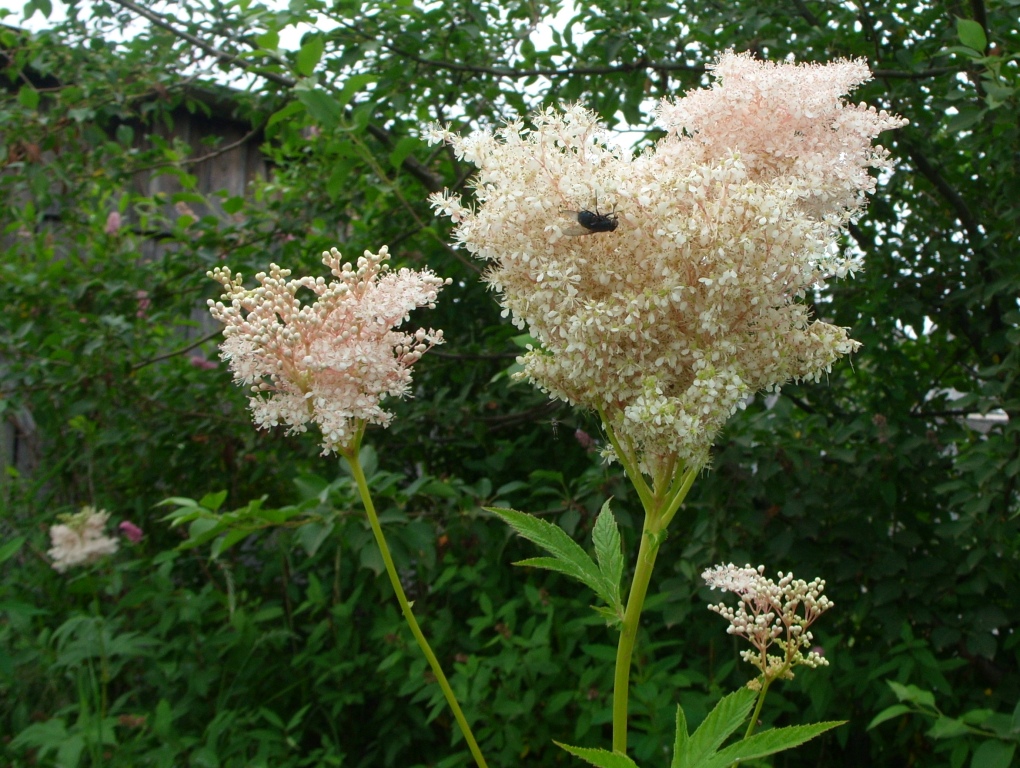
(351, 453)
(660, 506)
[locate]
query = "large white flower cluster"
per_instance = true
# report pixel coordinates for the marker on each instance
(667, 321)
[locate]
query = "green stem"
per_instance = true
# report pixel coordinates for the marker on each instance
(757, 708)
(660, 508)
(628, 634)
(351, 454)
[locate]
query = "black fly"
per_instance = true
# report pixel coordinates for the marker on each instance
(593, 222)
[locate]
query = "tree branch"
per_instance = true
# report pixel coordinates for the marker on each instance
(431, 181)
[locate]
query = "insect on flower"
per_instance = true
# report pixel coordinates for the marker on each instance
(592, 222)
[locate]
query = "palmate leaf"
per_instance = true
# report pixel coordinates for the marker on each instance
(570, 559)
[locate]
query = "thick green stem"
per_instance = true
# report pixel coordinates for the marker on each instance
(628, 634)
(661, 505)
(351, 454)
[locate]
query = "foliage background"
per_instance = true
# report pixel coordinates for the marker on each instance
(287, 649)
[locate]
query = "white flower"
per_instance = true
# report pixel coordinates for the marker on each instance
(79, 539)
(771, 615)
(330, 362)
(666, 323)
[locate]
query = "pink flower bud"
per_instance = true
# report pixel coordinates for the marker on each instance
(112, 223)
(586, 441)
(144, 302)
(131, 531)
(197, 361)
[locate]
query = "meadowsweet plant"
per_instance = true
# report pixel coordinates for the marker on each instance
(665, 287)
(80, 539)
(331, 363)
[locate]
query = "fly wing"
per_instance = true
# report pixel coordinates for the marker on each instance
(569, 225)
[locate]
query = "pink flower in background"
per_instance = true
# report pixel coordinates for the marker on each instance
(80, 539)
(200, 362)
(112, 223)
(131, 531)
(144, 302)
(585, 440)
(330, 362)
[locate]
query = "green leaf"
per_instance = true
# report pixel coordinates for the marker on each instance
(913, 694)
(599, 757)
(888, 714)
(993, 754)
(212, 501)
(971, 34)
(721, 722)
(8, 550)
(609, 554)
(768, 743)
(233, 204)
(568, 557)
(681, 738)
(269, 41)
(292, 108)
(28, 97)
(321, 106)
(352, 85)
(404, 148)
(310, 55)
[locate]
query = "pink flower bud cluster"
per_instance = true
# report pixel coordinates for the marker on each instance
(771, 616)
(80, 539)
(332, 361)
(667, 318)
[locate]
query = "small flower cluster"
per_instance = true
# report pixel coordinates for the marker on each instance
(771, 614)
(668, 320)
(80, 539)
(332, 361)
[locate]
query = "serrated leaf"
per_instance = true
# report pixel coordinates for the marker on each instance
(681, 738)
(768, 743)
(599, 757)
(609, 554)
(309, 55)
(568, 557)
(971, 34)
(722, 721)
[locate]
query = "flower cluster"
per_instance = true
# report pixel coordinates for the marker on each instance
(80, 539)
(332, 361)
(667, 321)
(771, 614)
